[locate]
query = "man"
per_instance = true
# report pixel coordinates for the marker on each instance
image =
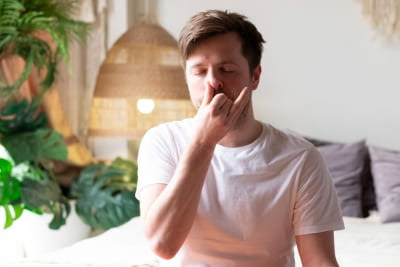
(223, 189)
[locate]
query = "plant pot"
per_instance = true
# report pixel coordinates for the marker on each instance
(11, 245)
(38, 238)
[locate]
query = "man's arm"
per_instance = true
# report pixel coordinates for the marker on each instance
(168, 211)
(317, 250)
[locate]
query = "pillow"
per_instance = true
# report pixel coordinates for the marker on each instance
(368, 189)
(318, 142)
(385, 167)
(368, 201)
(346, 163)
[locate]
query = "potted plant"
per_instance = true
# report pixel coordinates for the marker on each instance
(105, 194)
(29, 143)
(26, 181)
(23, 129)
(30, 150)
(21, 25)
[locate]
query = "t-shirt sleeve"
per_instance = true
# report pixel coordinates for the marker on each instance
(156, 163)
(316, 208)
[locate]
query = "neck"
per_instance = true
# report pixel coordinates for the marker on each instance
(246, 130)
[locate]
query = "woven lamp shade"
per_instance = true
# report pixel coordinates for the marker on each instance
(143, 64)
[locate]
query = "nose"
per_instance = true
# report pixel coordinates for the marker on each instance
(214, 81)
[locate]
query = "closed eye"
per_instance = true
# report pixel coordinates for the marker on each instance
(228, 70)
(198, 71)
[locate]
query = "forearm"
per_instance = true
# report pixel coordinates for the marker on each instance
(317, 250)
(170, 217)
(322, 264)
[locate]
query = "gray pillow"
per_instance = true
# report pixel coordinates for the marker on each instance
(345, 162)
(385, 167)
(368, 201)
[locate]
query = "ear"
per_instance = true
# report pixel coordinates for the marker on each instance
(255, 80)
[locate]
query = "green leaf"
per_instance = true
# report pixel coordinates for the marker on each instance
(21, 117)
(18, 209)
(21, 19)
(9, 186)
(9, 193)
(9, 219)
(46, 196)
(22, 147)
(8, 38)
(128, 180)
(9, 89)
(40, 144)
(52, 145)
(5, 168)
(100, 203)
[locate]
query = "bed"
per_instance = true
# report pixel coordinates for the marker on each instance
(365, 242)
(366, 179)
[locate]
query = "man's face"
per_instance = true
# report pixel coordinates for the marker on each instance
(218, 62)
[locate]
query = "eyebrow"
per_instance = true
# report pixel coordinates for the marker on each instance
(225, 62)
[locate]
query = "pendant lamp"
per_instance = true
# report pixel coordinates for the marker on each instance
(139, 85)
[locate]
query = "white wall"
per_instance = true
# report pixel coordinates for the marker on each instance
(117, 22)
(323, 73)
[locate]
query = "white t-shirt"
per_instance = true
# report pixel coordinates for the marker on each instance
(255, 198)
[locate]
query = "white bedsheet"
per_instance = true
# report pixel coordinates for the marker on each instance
(368, 243)
(364, 243)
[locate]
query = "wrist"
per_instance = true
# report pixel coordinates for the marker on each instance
(204, 143)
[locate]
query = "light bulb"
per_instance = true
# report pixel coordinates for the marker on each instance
(145, 105)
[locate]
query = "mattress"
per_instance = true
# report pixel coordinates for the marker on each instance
(364, 243)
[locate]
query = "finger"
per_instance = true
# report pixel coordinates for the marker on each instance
(208, 95)
(226, 107)
(218, 101)
(240, 103)
(243, 96)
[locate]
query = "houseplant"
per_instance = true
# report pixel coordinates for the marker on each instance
(24, 26)
(105, 194)
(29, 142)
(22, 22)
(28, 178)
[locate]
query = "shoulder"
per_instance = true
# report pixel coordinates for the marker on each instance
(169, 136)
(286, 141)
(169, 129)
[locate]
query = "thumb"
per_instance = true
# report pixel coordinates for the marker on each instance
(208, 95)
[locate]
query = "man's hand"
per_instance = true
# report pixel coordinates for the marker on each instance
(217, 115)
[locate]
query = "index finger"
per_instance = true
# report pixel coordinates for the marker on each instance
(208, 95)
(242, 96)
(240, 102)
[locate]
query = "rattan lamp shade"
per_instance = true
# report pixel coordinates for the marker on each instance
(143, 64)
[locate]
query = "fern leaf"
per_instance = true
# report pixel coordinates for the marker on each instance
(8, 89)
(7, 40)
(20, 19)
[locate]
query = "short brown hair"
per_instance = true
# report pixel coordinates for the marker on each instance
(207, 24)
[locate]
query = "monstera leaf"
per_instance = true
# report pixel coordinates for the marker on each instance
(21, 117)
(46, 196)
(128, 180)
(104, 198)
(10, 194)
(40, 144)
